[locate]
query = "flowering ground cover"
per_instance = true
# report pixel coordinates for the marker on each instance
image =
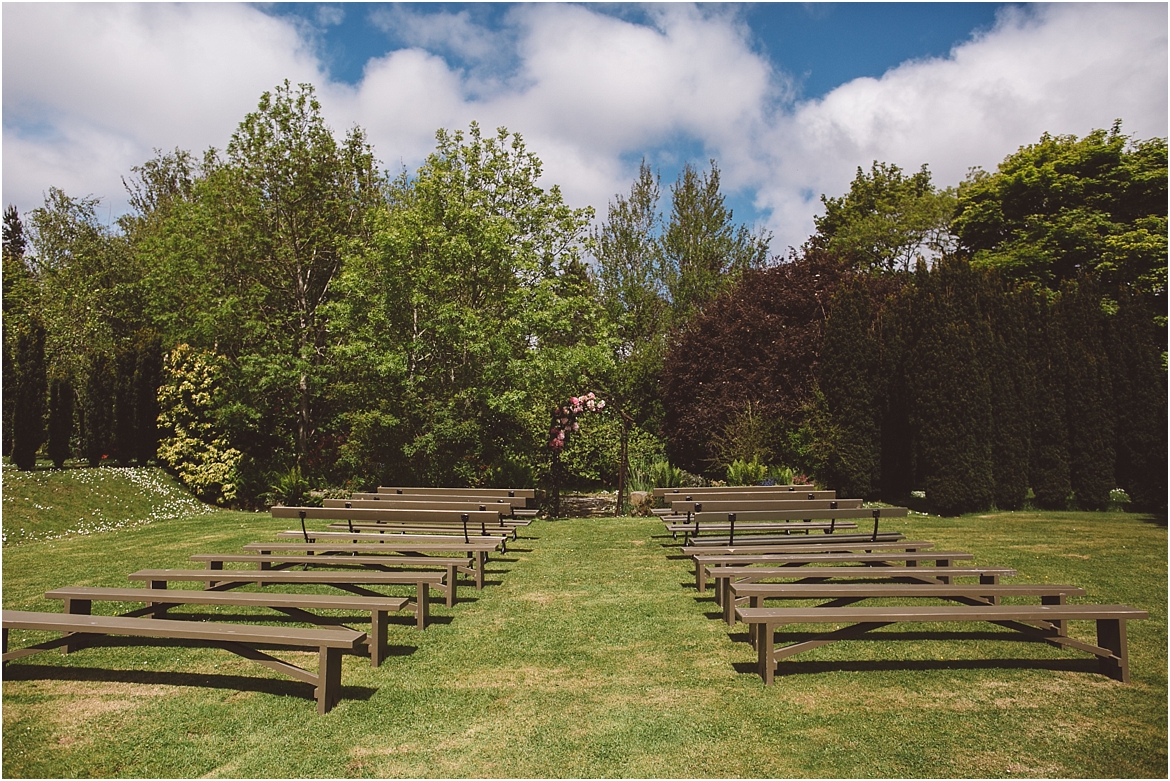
(590, 654)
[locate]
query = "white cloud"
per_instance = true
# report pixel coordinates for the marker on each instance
(1066, 69)
(89, 90)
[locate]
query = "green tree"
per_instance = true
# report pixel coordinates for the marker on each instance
(702, 251)
(1048, 470)
(60, 444)
(1089, 394)
(30, 390)
(19, 299)
(97, 406)
(1065, 206)
(473, 313)
(887, 220)
(848, 378)
(1137, 343)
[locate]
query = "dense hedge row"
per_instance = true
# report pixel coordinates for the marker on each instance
(948, 380)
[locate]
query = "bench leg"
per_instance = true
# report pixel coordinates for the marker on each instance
(765, 660)
(480, 560)
(700, 577)
(82, 607)
(1059, 599)
(452, 580)
(422, 604)
(1111, 634)
(328, 679)
(379, 645)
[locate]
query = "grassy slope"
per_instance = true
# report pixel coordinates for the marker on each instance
(590, 654)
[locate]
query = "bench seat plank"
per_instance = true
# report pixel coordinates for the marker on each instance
(910, 557)
(1112, 649)
(238, 638)
(79, 599)
(347, 581)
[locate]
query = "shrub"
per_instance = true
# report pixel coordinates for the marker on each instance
(742, 472)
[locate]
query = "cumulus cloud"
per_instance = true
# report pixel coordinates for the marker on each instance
(89, 90)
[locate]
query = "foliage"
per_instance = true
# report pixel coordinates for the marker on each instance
(849, 379)
(1136, 345)
(758, 343)
(746, 438)
(193, 446)
(60, 442)
(1066, 206)
(740, 472)
(291, 489)
(29, 389)
(1089, 393)
(887, 220)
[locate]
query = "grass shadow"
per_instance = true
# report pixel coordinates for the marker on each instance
(787, 668)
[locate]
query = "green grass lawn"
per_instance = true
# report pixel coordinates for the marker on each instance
(590, 654)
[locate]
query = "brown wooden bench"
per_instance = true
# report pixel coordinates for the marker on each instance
(241, 639)
(691, 531)
(1112, 645)
(504, 531)
(702, 517)
(477, 548)
(717, 564)
(736, 491)
(522, 506)
(451, 566)
(354, 582)
(390, 501)
(688, 508)
(837, 543)
(806, 554)
(79, 600)
(842, 594)
(521, 497)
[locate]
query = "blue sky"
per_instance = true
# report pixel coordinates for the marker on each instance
(789, 98)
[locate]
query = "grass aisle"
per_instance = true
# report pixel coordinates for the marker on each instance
(591, 655)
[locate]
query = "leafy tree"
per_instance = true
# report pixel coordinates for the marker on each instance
(1013, 390)
(193, 445)
(887, 220)
(60, 444)
(703, 252)
(472, 313)
(19, 299)
(634, 294)
(148, 364)
(29, 390)
(757, 344)
(1064, 206)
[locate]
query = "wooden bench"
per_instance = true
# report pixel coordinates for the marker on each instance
(393, 502)
(241, 639)
(466, 521)
(451, 566)
(354, 582)
(796, 555)
(716, 565)
(79, 600)
(738, 491)
(702, 517)
(837, 543)
(1111, 649)
(477, 548)
(841, 594)
(688, 508)
(691, 532)
(434, 529)
(522, 507)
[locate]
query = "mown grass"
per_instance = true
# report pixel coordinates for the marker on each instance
(591, 655)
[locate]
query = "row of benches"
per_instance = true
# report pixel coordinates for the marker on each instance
(384, 553)
(844, 569)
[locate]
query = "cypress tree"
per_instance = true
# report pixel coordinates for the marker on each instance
(123, 445)
(896, 335)
(1139, 398)
(60, 418)
(147, 379)
(1012, 377)
(952, 393)
(1089, 396)
(1049, 470)
(97, 407)
(847, 378)
(28, 424)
